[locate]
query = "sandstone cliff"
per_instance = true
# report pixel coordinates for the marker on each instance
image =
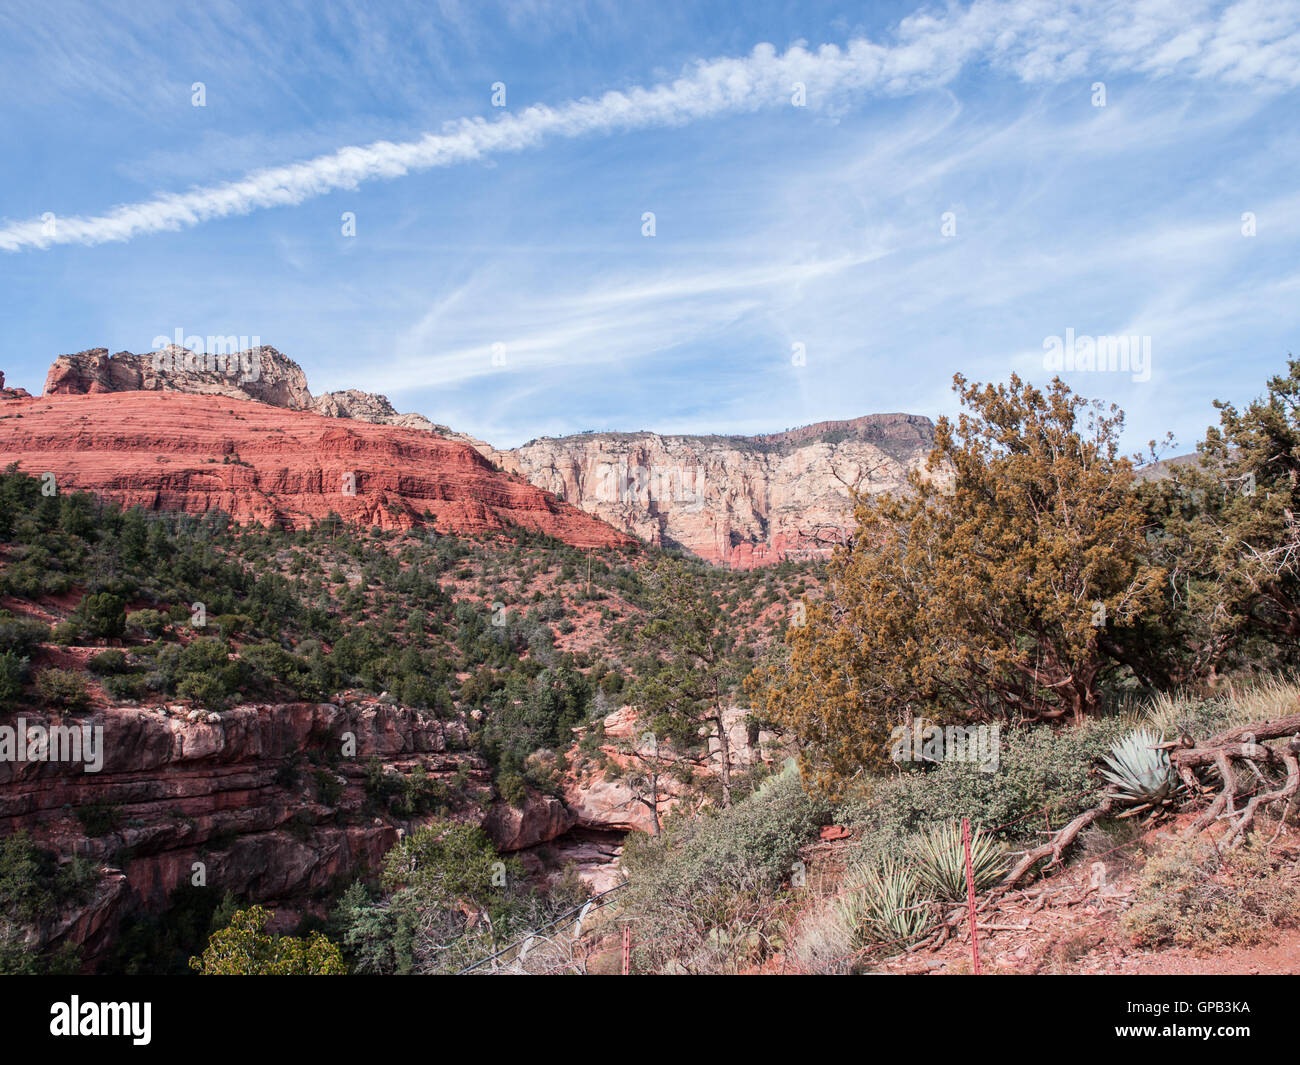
(270, 802)
(197, 453)
(234, 792)
(733, 500)
(738, 501)
(262, 374)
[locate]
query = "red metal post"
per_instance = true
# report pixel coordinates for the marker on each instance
(627, 949)
(970, 897)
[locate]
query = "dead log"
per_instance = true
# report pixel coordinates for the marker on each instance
(1054, 846)
(1243, 744)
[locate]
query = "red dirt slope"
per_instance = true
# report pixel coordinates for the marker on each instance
(172, 451)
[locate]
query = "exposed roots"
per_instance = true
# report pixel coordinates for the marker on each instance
(1243, 745)
(1220, 756)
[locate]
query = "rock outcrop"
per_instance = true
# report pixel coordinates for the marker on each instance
(270, 802)
(605, 798)
(262, 374)
(541, 818)
(736, 501)
(257, 462)
(12, 393)
(732, 500)
(234, 798)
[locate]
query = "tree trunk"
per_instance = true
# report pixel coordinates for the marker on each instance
(724, 750)
(654, 801)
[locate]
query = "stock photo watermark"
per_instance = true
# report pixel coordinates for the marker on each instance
(1101, 354)
(979, 745)
(227, 355)
(67, 744)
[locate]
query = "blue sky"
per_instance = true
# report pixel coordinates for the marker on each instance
(519, 230)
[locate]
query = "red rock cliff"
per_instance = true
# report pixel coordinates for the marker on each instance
(174, 451)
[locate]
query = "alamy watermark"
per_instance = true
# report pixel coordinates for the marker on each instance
(1105, 354)
(77, 1018)
(922, 741)
(234, 356)
(682, 485)
(21, 742)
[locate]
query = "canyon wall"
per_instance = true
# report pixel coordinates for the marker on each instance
(732, 500)
(196, 453)
(264, 798)
(271, 802)
(736, 501)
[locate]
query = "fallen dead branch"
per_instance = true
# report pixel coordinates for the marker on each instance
(1244, 745)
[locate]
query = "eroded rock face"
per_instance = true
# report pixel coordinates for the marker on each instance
(11, 393)
(239, 795)
(608, 801)
(269, 802)
(732, 500)
(736, 501)
(261, 374)
(195, 453)
(541, 818)
(368, 407)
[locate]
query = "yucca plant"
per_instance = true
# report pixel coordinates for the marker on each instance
(940, 857)
(1138, 771)
(885, 904)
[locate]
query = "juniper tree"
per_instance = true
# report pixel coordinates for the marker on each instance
(686, 690)
(1002, 584)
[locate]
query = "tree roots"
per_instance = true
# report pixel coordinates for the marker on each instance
(1218, 759)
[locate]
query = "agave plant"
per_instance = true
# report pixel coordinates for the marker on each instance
(885, 904)
(940, 856)
(1138, 771)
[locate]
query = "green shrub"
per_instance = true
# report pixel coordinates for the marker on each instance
(513, 789)
(152, 623)
(204, 655)
(271, 667)
(34, 887)
(884, 902)
(702, 894)
(98, 819)
(21, 635)
(329, 789)
(63, 689)
(107, 663)
(939, 855)
(103, 615)
(206, 690)
(13, 676)
(1040, 768)
(1191, 895)
(126, 687)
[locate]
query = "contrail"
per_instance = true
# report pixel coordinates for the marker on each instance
(1249, 43)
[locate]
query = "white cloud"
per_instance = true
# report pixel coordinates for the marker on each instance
(1248, 44)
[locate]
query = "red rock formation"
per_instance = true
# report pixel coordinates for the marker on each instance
(260, 373)
(233, 791)
(175, 451)
(732, 500)
(605, 800)
(12, 393)
(541, 818)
